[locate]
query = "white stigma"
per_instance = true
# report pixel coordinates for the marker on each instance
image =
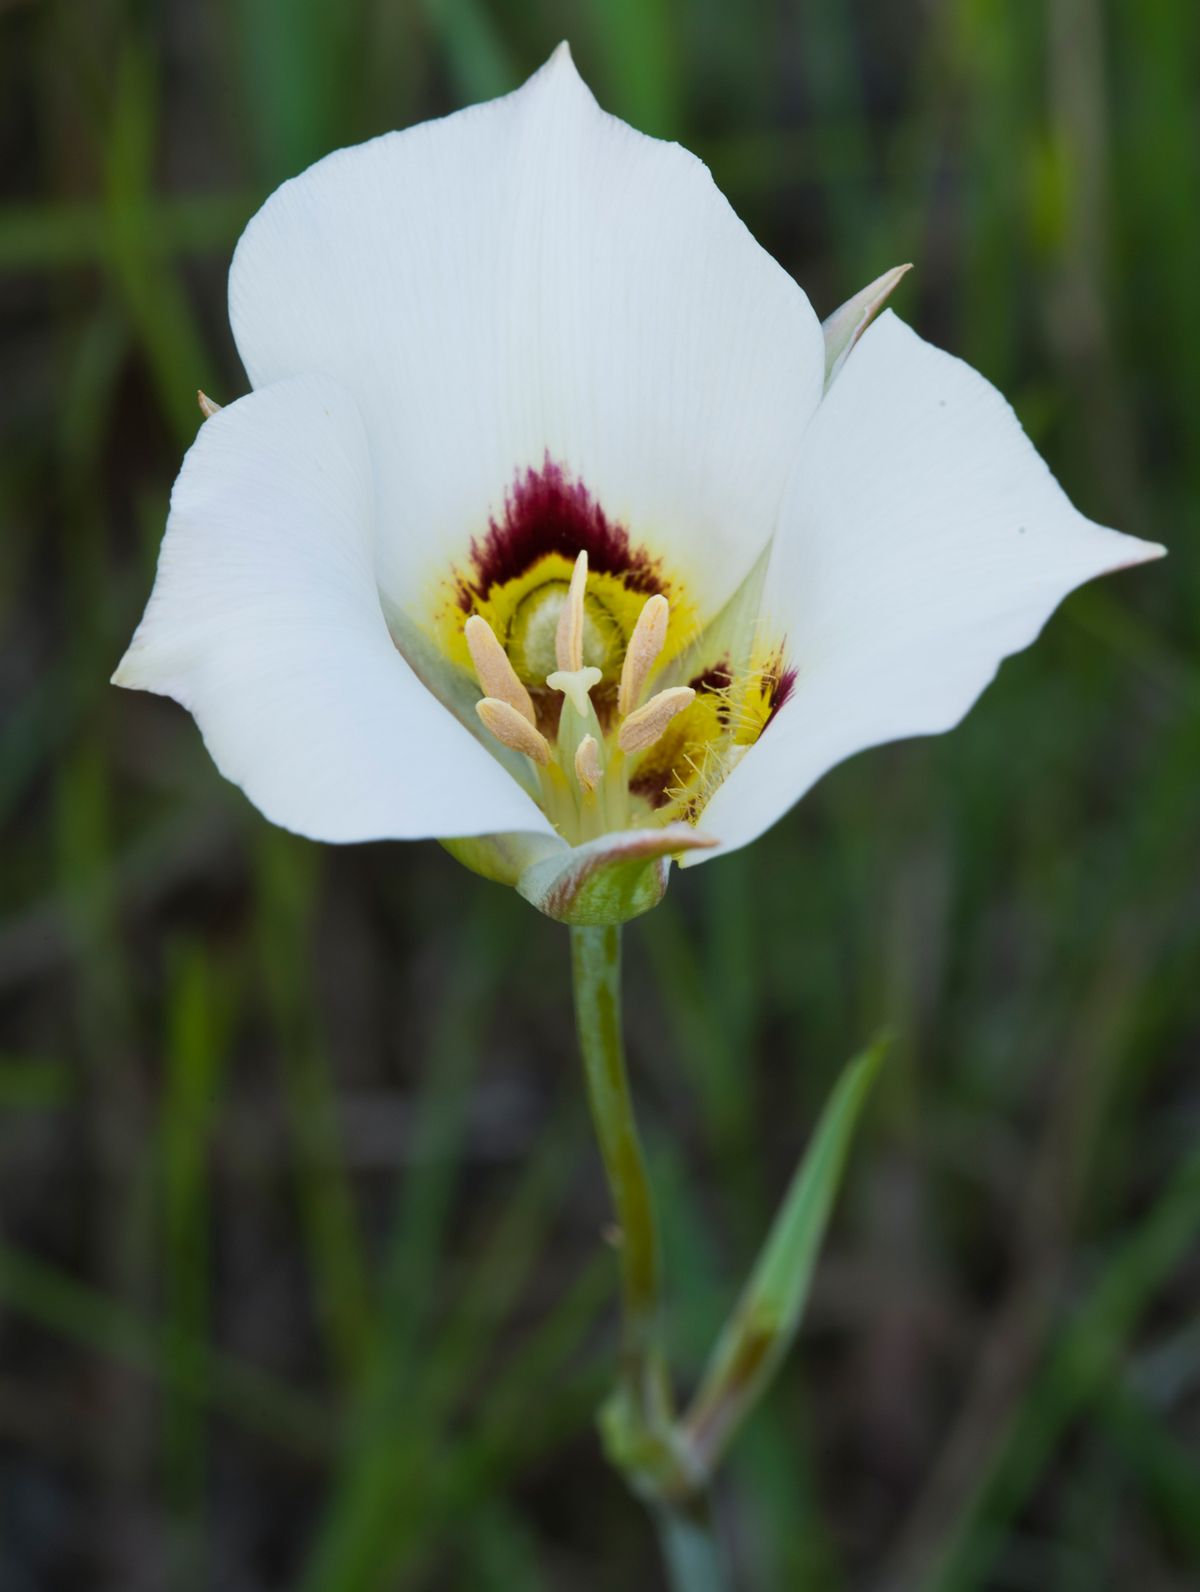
(568, 638)
(641, 729)
(575, 684)
(645, 644)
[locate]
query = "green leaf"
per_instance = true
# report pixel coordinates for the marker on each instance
(762, 1327)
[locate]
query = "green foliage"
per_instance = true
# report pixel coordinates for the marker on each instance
(299, 1282)
(767, 1317)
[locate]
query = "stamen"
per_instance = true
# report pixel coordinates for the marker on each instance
(645, 644)
(207, 408)
(496, 674)
(643, 728)
(568, 638)
(509, 727)
(575, 685)
(587, 764)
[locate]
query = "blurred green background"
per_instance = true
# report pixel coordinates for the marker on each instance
(301, 1282)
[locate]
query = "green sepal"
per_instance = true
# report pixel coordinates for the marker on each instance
(846, 325)
(503, 858)
(609, 880)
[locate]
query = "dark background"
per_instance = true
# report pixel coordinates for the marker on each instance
(301, 1277)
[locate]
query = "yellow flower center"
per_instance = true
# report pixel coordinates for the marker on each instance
(655, 759)
(568, 630)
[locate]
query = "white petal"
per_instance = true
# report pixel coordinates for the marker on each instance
(265, 622)
(922, 541)
(532, 276)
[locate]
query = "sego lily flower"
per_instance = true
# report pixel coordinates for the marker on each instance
(556, 525)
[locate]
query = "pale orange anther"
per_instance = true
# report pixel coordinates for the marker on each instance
(513, 729)
(587, 764)
(641, 655)
(207, 407)
(568, 638)
(496, 673)
(643, 728)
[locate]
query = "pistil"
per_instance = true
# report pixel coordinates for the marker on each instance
(576, 685)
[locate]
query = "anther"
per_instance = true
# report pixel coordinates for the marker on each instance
(207, 408)
(643, 728)
(568, 638)
(587, 764)
(575, 685)
(641, 655)
(511, 728)
(496, 673)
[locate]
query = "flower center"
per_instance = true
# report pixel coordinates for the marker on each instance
(567, 627)
(583, 776)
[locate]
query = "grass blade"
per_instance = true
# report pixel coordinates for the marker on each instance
(1079, 1371)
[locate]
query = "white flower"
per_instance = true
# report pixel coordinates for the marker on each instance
(524, 367)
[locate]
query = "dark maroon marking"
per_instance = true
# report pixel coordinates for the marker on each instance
(653, 782)
(547, 512)
(653, 785)
(717, 677)
(713, 681)
(783, 683)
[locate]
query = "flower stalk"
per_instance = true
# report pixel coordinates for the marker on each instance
(596, 966)
(640, 1432)
(669, 1460)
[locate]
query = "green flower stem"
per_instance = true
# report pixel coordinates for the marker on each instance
(638, 1425)
(596, 965)
(689, 1549)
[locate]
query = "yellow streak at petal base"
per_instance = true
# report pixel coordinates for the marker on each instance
(678, 775)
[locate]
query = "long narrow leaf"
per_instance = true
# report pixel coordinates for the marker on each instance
(762, 1327)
